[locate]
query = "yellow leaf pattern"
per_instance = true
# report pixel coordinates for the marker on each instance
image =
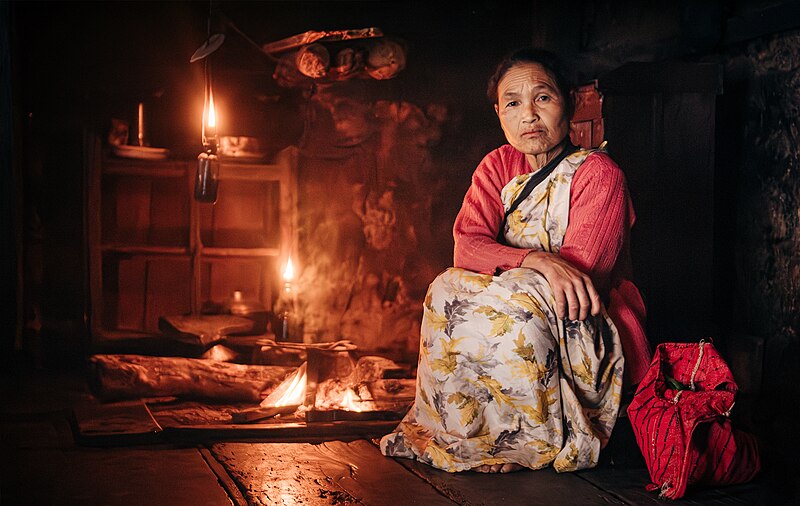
(439, 458)
(437, 321)
(447, 361)
(529, 367)
(495, 389)
(428, 302)
(569, 461)
(502, 323)
(467, 405)
(583, 371)
(479, 280)
(529, 303)
(544, 448)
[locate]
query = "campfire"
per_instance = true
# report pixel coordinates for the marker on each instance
(333, 384)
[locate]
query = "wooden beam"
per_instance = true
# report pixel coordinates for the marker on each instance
(767, 21)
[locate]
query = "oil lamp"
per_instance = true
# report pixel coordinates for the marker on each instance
(286, 308)
(206, 181)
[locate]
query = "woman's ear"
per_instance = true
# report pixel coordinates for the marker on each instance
(497, 110)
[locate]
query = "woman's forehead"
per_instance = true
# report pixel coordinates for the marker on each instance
(524, 75)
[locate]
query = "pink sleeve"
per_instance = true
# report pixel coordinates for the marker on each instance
(600, 218)
(478, 221)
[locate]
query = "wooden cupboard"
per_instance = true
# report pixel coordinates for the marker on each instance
(154, 251)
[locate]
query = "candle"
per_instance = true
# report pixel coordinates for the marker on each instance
(141, 124)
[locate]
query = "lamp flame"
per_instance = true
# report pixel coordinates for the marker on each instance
(209, 119)
(288, 271)
(212, 112)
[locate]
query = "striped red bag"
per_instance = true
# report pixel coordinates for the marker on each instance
(680, 418)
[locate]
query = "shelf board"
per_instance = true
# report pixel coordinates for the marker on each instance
(144, 168)
(128, 334)
(251, 172)
(239, 252)
(146, 249)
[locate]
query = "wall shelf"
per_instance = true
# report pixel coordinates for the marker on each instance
(154, 251)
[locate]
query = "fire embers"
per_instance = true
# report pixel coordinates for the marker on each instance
(333, 384)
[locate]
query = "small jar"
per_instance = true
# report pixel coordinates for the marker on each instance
(251, 309)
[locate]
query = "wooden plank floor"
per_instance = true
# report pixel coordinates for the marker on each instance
(42, 464)
(355, 472)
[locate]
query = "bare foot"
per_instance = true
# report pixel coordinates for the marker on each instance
(498, 468)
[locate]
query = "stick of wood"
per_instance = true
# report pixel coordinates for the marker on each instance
(260, 413)
(115, 377)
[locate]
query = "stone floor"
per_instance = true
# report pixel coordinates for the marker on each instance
(43, 463)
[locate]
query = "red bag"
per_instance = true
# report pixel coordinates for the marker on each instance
(680, 414)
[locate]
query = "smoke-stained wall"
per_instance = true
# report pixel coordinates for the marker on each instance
(766, 74)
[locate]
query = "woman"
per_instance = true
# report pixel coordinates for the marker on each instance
(521, 353)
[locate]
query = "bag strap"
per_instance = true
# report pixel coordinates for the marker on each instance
(532, 183)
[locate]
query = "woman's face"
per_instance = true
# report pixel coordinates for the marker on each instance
(532, 112)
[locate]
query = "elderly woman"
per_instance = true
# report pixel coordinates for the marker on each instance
(522, 342)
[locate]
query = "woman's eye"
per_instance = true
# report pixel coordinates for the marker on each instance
(512, 103)
(543, 98)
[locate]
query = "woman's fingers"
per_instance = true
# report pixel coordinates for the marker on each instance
(597, 302)
(574, 301)
(584, 299)
(581, 299)
(561, 302)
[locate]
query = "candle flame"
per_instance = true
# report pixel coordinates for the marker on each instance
(212, 113)
(288, 272)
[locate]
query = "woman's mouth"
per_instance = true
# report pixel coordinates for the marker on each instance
(533, 133)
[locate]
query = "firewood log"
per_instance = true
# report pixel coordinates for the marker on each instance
(115, 377)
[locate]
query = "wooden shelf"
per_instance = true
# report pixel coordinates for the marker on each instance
(155, 251)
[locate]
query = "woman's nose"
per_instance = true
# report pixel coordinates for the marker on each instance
(531, 112)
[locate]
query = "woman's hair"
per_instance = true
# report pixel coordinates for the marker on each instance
(551, 63)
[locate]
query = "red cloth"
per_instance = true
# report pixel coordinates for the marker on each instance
(596, 241)
(685, 435)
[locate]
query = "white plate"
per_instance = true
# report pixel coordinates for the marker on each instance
(141, 152)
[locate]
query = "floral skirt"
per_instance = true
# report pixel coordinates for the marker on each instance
(502, 380)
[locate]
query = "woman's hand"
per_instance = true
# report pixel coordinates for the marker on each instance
(573, 290)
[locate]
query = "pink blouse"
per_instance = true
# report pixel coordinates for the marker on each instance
(596, 241)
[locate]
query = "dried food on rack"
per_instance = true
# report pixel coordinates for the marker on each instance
(330, 56)
(313, 61)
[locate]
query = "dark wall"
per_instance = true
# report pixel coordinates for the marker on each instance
(760, 162)
(8, 253)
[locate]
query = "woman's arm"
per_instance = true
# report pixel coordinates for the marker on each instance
(600, 218)
(478, 221)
